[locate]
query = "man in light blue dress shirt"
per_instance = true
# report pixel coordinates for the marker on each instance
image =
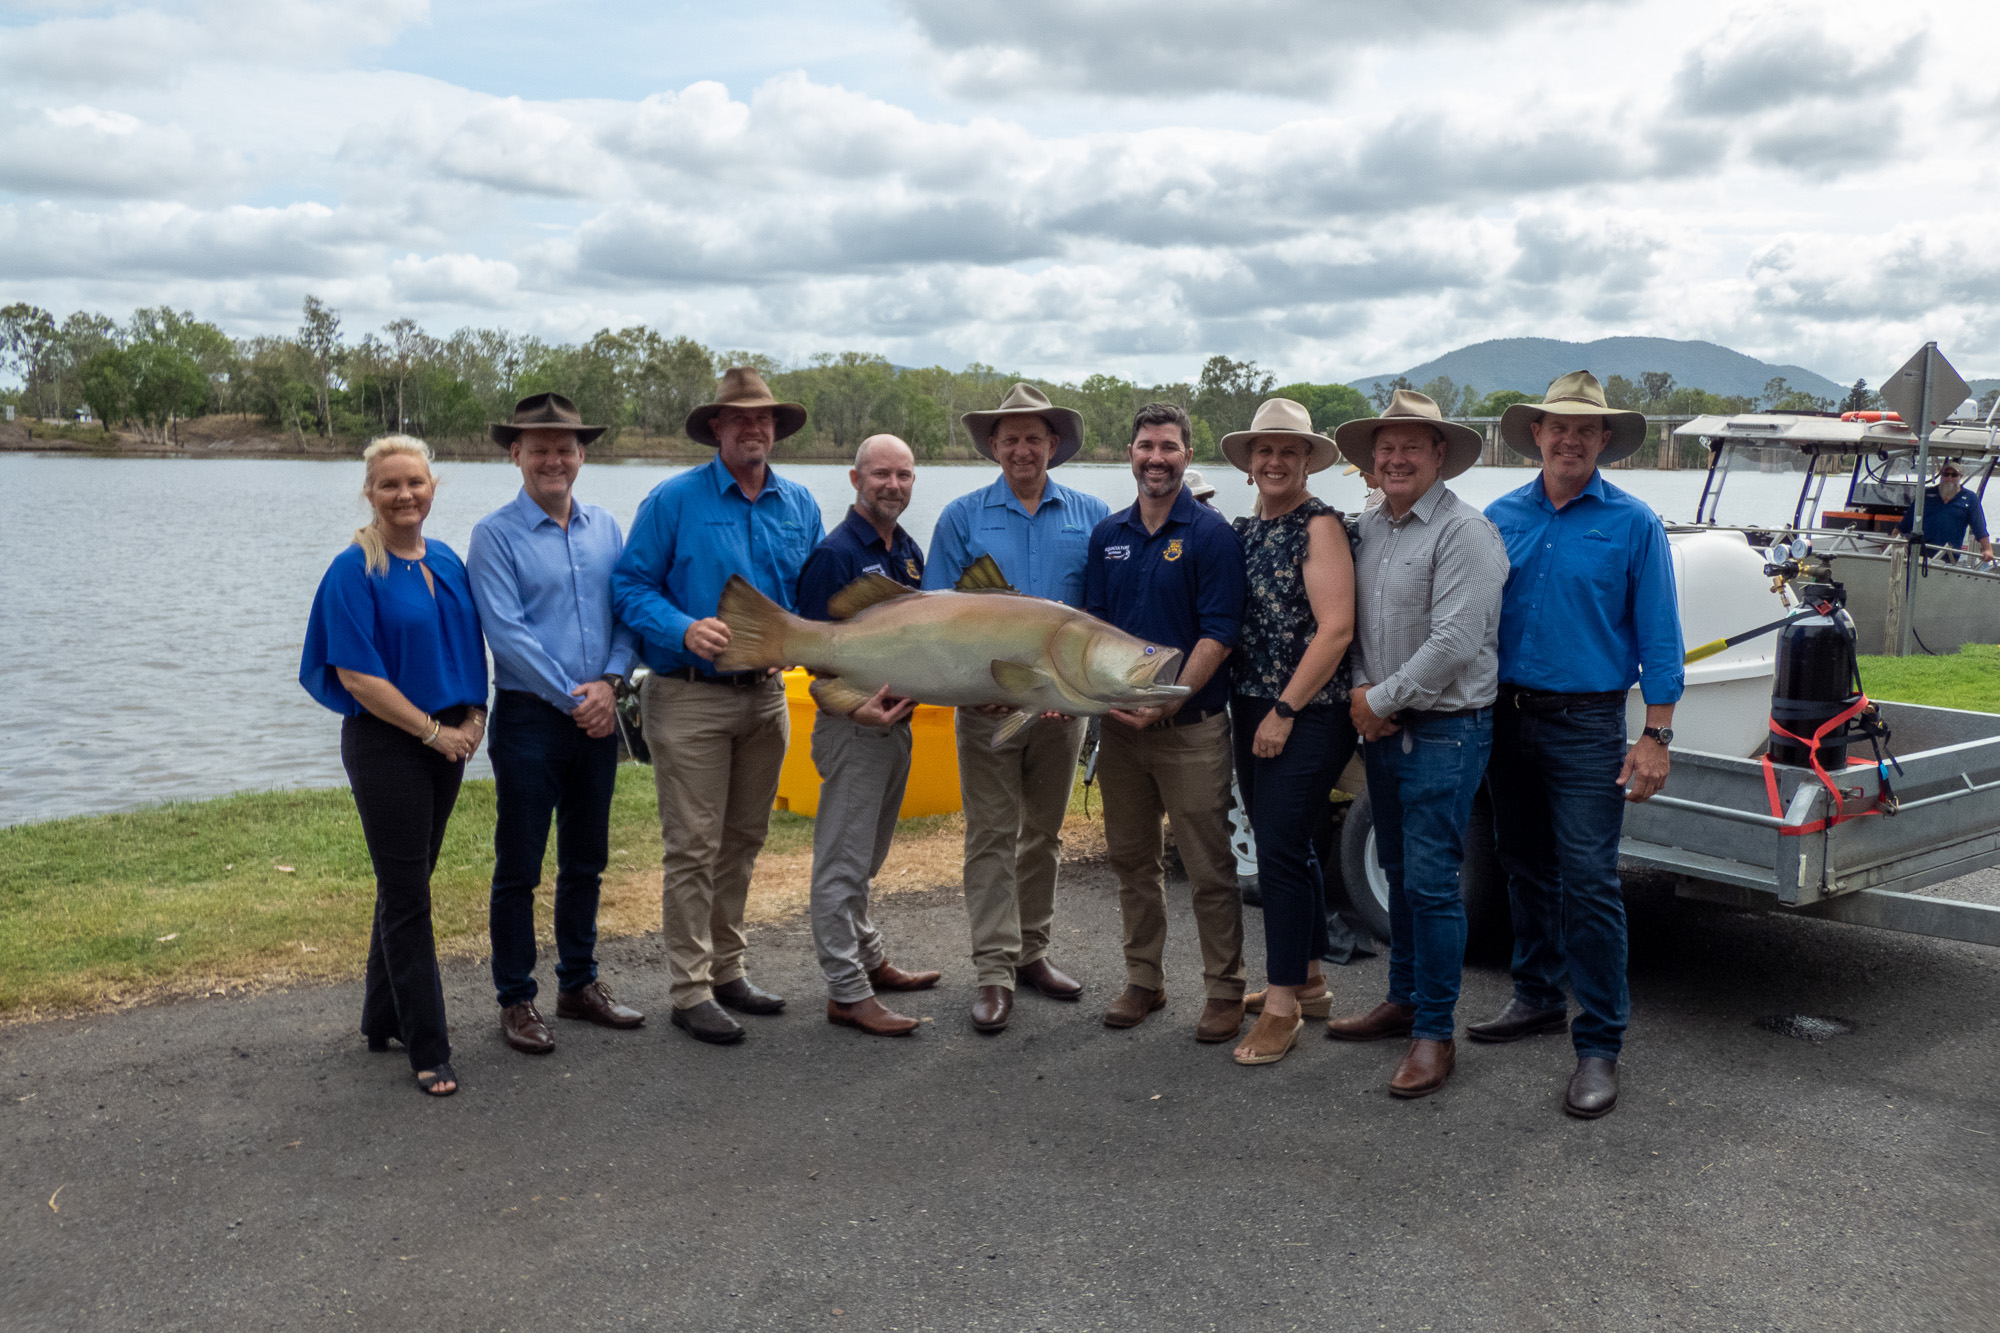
(1038, 532)
(540, 568)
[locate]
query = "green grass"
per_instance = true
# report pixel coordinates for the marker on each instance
(1969, 679)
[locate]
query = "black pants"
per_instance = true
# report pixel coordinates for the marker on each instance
(405, 791)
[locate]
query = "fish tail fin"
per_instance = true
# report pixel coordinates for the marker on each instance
(758, 628)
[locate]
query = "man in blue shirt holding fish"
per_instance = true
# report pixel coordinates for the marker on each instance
(540, 568)
(1589, 610)
(718, 739)
(1017, 792)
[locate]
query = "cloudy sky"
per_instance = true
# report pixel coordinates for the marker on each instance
(1331, 187)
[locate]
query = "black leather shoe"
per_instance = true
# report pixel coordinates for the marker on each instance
(707, 1022)
(1593, 1089)
(1518, 1020)
(744, 996)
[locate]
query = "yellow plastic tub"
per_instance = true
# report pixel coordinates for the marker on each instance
(933, 788)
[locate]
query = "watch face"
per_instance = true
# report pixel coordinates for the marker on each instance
(1665, 735)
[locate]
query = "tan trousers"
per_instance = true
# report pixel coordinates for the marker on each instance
(1015, 799)
(717, 750)
(1181, 774)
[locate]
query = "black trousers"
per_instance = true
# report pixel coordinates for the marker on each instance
(404, 791)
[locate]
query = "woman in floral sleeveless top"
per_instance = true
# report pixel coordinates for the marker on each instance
(1290, 677)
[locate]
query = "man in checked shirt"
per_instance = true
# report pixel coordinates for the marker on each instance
(1428, 573)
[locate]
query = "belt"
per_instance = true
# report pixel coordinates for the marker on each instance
(1440, 715)
(742, 680)
(1187, 717)
(1548, 701)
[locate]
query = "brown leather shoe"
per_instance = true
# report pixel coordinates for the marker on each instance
(993, 1008)
(593, 1004)
(1041, 975)
(1384, 1020)
(521, 1024)
(747, 997)
(1426, 1065)
(871, 1016)
(1221, 1020)
(890, 977)
(1129, 1010)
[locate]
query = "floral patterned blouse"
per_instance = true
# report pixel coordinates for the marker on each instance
(1278, 620)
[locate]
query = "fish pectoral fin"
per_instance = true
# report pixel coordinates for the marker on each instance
(983, 575)
(1019, 678)
(1013, 725)
(834, 695)
(863, 593)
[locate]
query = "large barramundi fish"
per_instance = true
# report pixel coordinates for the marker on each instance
(983, 643)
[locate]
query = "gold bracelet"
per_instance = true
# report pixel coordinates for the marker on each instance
(436, 728)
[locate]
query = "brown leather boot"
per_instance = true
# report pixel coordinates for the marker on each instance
(1220, 1020)
(1129, 1010)
(890, 977)
(1383, 1021)
(1426, 1065)
(871, 1016)
(992, 1008)
(1042, 975)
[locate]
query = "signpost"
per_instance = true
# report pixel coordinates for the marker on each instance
(1920, 393)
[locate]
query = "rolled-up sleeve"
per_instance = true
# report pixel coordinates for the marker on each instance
(1467, 579)
(638, 583)
(1656, 620)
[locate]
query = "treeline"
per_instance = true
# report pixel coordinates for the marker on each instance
(1655, 393)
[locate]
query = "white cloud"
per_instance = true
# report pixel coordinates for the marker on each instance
(64, 151)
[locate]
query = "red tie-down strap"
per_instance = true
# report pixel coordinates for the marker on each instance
(1839, 815)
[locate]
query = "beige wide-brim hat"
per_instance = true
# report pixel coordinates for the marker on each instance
(1197, 485)
(742, 386)
(1406, 406)
(1027, 400)
(1275, 417)
(1577, 394)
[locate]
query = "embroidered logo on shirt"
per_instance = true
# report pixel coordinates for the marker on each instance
(910, 564)
(1173, 551)
(875, 569)
(1117, 553)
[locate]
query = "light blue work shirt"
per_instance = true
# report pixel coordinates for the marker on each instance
(544, 594)
(1042, 554)
(691, 534)
(1590, 605)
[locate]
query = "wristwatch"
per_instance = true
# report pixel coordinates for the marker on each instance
(1284, 710)
(1664, 735)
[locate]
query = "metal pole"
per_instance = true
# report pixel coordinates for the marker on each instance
(1914, 567)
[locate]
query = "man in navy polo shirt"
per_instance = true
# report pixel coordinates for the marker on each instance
(1169, 570)
(1949, 510)
(863, 756)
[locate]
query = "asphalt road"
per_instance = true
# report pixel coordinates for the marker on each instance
(244, 1163)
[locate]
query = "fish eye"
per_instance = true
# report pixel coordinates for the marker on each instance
(1149, 652)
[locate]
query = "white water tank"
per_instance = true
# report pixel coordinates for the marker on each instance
(1723, 591)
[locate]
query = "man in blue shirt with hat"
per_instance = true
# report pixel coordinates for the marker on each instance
(1949, 512)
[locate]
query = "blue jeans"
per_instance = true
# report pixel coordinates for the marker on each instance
(543, 764)
(1421, 781)
(1285, 796)
(1557, 810)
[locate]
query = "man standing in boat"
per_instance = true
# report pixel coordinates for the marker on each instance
(1589, 610)
(861, 747)
(1017, 792)
(1949, 510)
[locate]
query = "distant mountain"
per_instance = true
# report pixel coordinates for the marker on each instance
(1528, 364)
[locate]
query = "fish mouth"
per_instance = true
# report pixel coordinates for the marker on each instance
(1153, 679)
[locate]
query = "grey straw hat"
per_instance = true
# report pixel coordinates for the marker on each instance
(1027, 400)
(742, 386)
(549, 411)
(1197, 485)
(1577, 394)
(1408, 407)
(1279, 416)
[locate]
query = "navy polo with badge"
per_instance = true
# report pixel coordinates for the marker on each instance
(1174, 587)
(851, 550)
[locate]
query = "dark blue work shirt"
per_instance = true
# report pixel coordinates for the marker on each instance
(1590, 605)
(393, 625)
(851, 550)
(1173, 587)
(1946, 521)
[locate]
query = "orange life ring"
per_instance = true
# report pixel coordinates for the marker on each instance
(1870, 416)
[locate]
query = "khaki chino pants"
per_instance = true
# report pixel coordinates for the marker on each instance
(1015, 799)
(717, 750)
(1180, 774)
(862, 774)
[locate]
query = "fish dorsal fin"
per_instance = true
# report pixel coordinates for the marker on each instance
(1011, 726)
(983, 575)
(835, 695)
(863, 593)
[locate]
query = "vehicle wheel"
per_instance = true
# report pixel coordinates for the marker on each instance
(1481, 882)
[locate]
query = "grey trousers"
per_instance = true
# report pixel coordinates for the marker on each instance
(862, 771)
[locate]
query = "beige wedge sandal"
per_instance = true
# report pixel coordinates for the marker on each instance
(1272, 1039)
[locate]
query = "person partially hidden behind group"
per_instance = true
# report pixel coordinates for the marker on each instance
(393, 646)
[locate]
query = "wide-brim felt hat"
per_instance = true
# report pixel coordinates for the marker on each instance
(1027, 400)
(1462, 444)
(1577, 394)
(1279, 416)
(550, 411)
(742, 386)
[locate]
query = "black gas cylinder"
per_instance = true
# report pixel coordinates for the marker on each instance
(1815, 681)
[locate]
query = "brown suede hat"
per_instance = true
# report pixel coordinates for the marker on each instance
(543, 409)
(742, 386)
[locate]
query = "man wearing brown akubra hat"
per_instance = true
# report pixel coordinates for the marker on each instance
(1016, 793)
(540, 568)
(718, 739)
(1590, 611)
(1428, 569)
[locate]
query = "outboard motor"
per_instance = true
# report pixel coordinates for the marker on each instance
(1817, 676)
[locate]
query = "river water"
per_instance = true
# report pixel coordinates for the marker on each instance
(152, 610)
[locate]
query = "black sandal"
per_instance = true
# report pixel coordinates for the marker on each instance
(428, 1079)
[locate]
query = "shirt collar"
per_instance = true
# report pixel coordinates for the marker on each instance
(1181, 512)
(1425, 506)
(533, 515)
(1002, 495)
(1594, 488)
(724, 483)
(863, 532)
